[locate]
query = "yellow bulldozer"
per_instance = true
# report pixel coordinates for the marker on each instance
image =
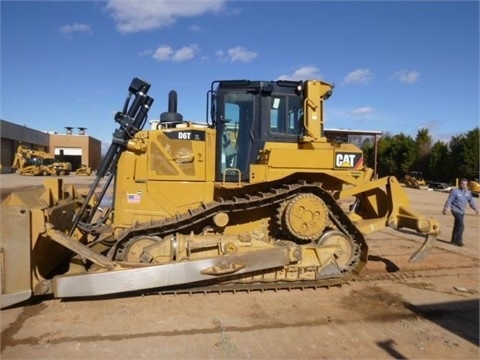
(474, 186)
(254, 197)
(84, 170)
(60, 167)
(415, 180)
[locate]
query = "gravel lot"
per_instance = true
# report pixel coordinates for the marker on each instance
(424, 310)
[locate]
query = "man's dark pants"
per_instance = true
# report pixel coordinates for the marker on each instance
(458, 226)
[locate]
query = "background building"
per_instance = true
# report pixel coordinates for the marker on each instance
(77, 148)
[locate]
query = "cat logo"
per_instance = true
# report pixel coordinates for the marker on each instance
(348, 160)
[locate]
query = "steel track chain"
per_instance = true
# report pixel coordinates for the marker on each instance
(275, 196)
(280, 286)
(296, 286)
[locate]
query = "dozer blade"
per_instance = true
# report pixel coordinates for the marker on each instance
(158, 276)
(424, 250)
(15, 256)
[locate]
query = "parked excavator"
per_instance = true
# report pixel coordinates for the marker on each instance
(254, 198)
(37, 162)
(31, 162)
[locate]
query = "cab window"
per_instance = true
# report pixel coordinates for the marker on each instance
(286, 115)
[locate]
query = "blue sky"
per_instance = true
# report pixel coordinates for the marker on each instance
(397, 66)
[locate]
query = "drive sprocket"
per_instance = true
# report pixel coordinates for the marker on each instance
(304, 217)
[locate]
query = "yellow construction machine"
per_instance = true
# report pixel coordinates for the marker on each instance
(31, 162)
(84, 170)
(60, 167)
(254, 198)
(415, 180)
(37, 162)
(474, 186)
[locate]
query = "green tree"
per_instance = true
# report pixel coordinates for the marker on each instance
(464, 150)
(396, 155)
(439, 163)
(368, 149)
(399, 154)
(423, 147)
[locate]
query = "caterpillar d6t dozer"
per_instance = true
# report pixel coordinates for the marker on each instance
(252, 198)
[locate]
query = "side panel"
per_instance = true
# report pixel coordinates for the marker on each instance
(324, 161)
(172, 175)
(301, 159)
(155, 200)
(15, 254)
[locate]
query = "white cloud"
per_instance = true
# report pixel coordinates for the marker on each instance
(166, 53)
(140, 15)
(236, 54)
(359, 76)
(361, 111)
(302, 73)
(407, 76)
(76, 28)
(163, 53)
(185, 53)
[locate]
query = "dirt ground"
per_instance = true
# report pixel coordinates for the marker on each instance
(396, 309)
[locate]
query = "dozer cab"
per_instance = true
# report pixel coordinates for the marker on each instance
(250, 198)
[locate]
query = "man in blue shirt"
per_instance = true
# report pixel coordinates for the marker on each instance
(457, 202)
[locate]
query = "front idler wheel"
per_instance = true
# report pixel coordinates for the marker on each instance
(347, 253)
